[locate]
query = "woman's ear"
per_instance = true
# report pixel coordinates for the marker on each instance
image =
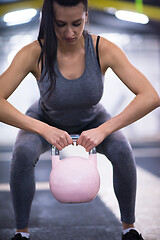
(86, 17)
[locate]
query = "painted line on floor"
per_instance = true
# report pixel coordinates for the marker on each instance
(146, 152)
(40, 186)
(138, 152)
(6, 156)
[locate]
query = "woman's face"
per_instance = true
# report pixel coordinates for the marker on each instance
(69, 22)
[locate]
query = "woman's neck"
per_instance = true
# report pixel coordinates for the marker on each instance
(67, 49)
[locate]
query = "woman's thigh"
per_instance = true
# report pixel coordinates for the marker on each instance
(29, 146)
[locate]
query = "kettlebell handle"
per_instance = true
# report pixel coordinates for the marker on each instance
(55, 151)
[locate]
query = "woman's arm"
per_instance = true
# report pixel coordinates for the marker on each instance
(146, 98)
(23, 63)
(145, 101)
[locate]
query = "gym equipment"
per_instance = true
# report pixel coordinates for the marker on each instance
(74, 179)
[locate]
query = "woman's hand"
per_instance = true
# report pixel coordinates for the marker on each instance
(59, 138)
(91, 138)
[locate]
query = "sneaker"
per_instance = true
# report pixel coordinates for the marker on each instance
(18, 236)
(132, 235)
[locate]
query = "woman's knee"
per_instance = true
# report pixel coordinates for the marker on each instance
(26, 150)
(24, 156)
(116, 147)
(121, 151)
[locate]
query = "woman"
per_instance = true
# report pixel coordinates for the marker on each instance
(69, 64)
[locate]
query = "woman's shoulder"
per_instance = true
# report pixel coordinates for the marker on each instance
(108, 51)
(27, 58)
(106, 46)
(103, 42)
(30, 52)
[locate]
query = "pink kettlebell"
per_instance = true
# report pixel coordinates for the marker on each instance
(74, 179)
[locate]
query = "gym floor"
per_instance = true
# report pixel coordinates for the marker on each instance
(99, 219)
(96, 220)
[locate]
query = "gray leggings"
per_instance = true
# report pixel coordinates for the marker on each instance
(30, 146)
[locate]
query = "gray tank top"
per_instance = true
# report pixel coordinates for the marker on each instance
(74, 103)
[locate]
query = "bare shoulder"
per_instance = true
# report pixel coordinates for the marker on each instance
(108, 48)
(103, 42)
(30, 54)
(110, 54)
(106, 51)
(24, 62)
(34, 48)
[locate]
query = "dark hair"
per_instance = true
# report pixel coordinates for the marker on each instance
(47, 33)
